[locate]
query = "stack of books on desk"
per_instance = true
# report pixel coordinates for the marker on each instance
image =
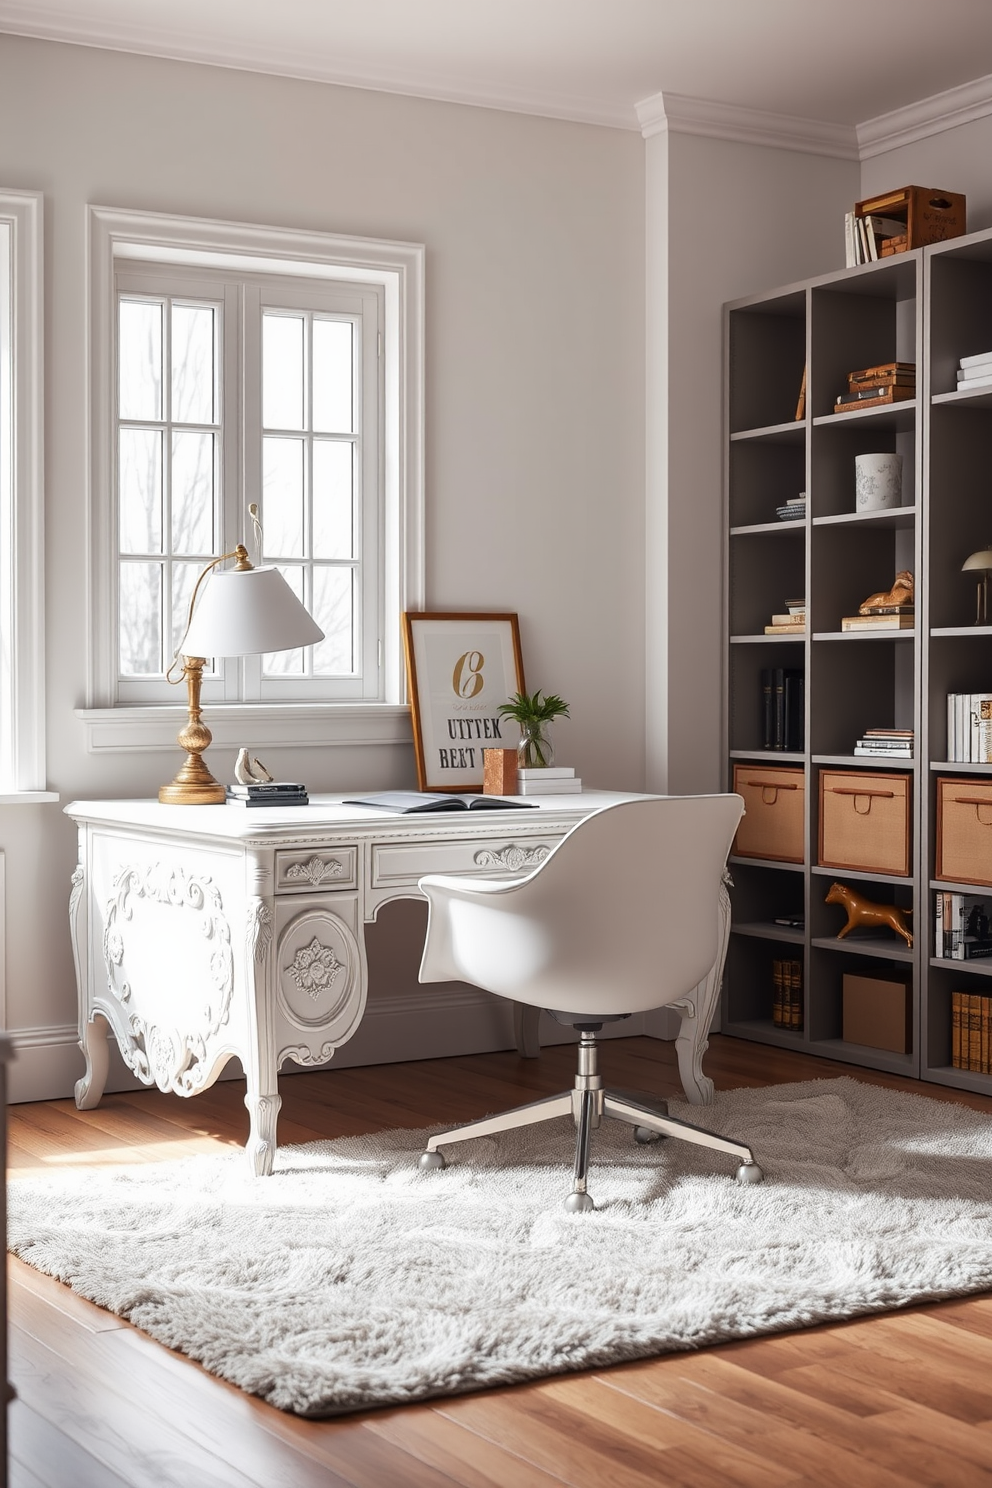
(975, 372)
(552, 780)
(272, 793)
(897, 743)
(889, 382)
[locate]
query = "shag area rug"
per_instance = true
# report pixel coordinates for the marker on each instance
(351, 1279)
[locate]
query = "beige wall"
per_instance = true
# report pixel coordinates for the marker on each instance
(725, 220)
(953, 160)
(535, 333)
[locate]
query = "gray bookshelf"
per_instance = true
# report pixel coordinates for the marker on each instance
(931, 307)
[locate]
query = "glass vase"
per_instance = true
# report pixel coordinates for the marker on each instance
(535, 750)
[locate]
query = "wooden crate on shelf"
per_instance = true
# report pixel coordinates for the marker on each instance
(964, 830)
(774, 809)
(865, 821)
(930, 215)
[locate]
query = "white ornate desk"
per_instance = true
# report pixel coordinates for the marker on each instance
(205, 933)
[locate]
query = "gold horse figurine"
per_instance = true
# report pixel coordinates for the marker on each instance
(862, 911)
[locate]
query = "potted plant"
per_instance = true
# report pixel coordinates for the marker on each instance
(534, 714)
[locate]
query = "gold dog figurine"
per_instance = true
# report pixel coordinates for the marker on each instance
(862, 911)
(901, 593)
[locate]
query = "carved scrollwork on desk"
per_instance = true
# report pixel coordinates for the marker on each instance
(258, 929)
(512, 857)
(199, 946)
(315, 871)
(301, 1054)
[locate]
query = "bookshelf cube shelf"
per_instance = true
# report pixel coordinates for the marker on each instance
(930, 307)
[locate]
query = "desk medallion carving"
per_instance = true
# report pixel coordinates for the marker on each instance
(512, 857)
(315, 968)
(315, 871)
(143, 900)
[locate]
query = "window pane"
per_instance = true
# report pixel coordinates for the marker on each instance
(287, 663)
(282, 371)
(332, 376)
(141, 619)
(193, 493)
(334, 612)
(140, 356)
(140, 483)
(193, 381)
(333, 504)
(184, 577)
(282, 497)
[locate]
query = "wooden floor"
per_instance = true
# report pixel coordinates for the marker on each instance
(905, 1398)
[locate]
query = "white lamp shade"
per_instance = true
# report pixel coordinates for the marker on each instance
(246, 612)
(980, 561)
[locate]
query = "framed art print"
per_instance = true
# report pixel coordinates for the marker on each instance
(459, 669)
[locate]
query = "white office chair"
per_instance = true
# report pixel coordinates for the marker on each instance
(621, 917)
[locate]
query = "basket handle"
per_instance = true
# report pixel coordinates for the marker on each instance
(850, 790)
(977, 802)
(772, 787)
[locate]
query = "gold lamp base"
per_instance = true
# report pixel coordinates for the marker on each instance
(194, 785)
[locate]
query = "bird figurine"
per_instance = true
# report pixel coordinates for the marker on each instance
(250, 771)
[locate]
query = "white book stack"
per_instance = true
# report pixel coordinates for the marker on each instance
(553, 780)
(969, 728)
(975, 372)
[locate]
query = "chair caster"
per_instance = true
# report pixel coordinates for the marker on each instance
(579, 1203)
(749, 1173)
(432, 1161)
(645, 1134)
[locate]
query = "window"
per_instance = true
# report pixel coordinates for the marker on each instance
(237, 365)
(22, 607)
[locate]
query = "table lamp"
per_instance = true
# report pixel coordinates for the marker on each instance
(980, 563)
(244, 611)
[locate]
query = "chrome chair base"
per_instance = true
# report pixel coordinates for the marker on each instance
(587, 1103)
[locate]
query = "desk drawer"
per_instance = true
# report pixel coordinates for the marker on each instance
(404, 863)
(310, 870)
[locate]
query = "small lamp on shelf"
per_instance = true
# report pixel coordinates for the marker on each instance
(244, 611)
(980, 564)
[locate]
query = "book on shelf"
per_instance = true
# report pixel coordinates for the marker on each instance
(971, 1032)
(973, 384)
(882, 751)
(977, 359)
(967, 918)
(406, 802)
(790, 627)
(898, 370)
(792, 618)
(801, 400)
(969, 727)
(977, 369)
(878, 622)
(787, 993)
(901, 393)
(783, 709)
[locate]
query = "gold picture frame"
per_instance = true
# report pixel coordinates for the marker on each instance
(460, 667)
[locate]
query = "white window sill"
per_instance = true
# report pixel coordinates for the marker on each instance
(255, 726)
(27, 797)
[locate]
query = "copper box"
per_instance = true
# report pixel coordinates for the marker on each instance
(499, 772)
(865, 821)
(930, 215)
(964, 831)
(775, 808)
(876, 1012)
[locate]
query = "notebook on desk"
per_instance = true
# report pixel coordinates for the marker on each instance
(405, 802)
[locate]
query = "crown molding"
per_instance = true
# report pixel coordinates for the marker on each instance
(926, 117)
(678, 114)
(47, 23)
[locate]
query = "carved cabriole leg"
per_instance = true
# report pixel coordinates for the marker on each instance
(92, 1040)
(697, 1013)
(262, 1098)
(525, 1029)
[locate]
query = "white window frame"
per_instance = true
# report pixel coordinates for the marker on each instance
(22, 500)
(119, 238)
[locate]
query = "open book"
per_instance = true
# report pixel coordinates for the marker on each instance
(406, 801)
